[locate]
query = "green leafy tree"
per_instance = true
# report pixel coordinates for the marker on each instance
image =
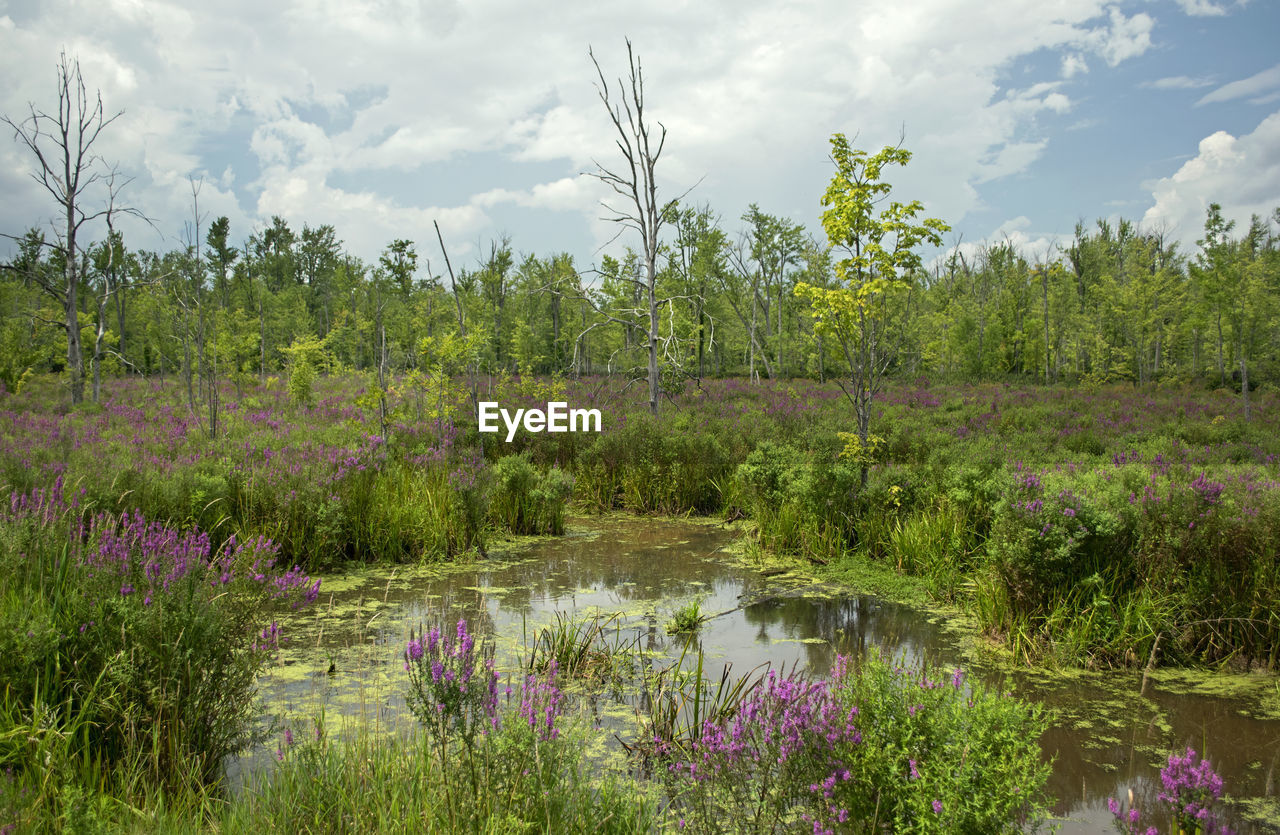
(767, 248)
(697, 259)
(495, 287)
(319, 255)
(1238, 285)
(222, 257)
(879, 243)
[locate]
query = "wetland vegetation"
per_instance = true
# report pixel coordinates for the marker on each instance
(286, 484)
(267, 575)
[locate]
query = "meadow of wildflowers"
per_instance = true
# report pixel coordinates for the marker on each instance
(1078, 524)
(150, 567)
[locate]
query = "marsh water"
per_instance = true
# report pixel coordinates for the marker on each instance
(345, 656)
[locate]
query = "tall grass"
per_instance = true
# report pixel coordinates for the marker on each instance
(591, 648)
(397, 783)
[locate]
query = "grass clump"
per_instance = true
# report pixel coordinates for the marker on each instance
(397, 783)
(687, 618)
(581, 648)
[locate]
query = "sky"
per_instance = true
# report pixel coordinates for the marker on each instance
(379, 117)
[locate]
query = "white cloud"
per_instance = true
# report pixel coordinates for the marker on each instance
(1177, 82)
(1254, 85)
(1035, 247)
(1127, 37)
(366, 221)
(1242, 174)
(750, 92)
(1073, 64)
(1201, 8)
(566, 194)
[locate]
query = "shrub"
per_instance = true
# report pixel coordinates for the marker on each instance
(864, 750)
(1050, 532)
(525, 501)
(141, 641)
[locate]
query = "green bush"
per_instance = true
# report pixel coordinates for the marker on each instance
(867, 750)
(139, 643)
(798, 498)
(526, 501)
(1052, 531)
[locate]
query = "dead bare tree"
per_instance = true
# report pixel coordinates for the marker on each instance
(67, 167)
(636, 184)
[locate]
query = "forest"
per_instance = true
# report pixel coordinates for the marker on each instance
(1118, 304)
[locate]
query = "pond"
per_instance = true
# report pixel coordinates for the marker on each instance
(345, 655)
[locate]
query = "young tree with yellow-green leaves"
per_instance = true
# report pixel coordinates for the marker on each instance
(879, 238)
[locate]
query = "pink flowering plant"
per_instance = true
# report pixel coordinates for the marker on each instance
(784, 750)
(1189, 788)
(144, 637)
(505, 745)
(865, 749)
(453, 688)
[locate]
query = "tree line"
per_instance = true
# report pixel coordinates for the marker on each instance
(703, 298)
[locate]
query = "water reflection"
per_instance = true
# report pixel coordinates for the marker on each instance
(1106, 738)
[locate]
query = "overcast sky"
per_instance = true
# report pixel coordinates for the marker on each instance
(380, 116)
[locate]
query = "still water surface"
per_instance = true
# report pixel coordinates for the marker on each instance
(345, 656)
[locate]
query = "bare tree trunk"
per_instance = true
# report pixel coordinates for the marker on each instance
(62, 144)
(75, 359)
(382, 377)
(1222, 374)
(653, 343)
(1044, 296)
(120, 323)
(636, 184)
(1195, 352)
(702, 328)
(186, 360)
(97, 348)
(262, 340)
(1244, 377)
(555, 331)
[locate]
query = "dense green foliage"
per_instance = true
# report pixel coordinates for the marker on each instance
(1081, 526)
(866, 750)
(1116, 304)
(126, 646)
